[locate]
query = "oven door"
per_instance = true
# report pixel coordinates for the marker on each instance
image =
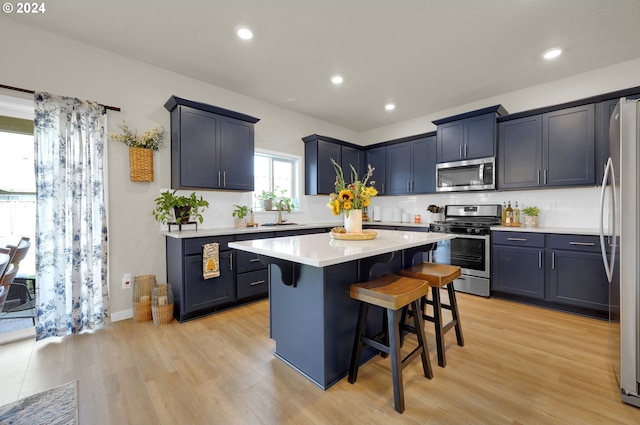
(469, 252)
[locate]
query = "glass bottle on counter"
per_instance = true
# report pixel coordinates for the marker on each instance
(509, 218)
(504, 212)
(516, 214)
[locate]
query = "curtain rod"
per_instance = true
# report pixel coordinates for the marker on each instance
(2, 86)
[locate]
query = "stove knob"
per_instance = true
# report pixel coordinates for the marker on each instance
(477, 231)
(469, 230)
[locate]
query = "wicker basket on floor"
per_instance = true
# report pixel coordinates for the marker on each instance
(140, 164)
(162, 304)
(142, 287)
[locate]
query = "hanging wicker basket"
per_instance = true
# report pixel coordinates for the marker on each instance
(142, 287)
(162, 304)
(141, 164)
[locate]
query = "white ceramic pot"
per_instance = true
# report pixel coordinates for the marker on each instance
(530, 221)
(241, 222)
(353, 221)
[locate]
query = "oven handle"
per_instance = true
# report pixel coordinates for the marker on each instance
(465, 235)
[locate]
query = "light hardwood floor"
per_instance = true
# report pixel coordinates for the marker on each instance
(520, 365)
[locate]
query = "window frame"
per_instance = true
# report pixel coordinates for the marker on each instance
(296, 175)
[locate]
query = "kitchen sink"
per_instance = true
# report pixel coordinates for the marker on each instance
(276, 224)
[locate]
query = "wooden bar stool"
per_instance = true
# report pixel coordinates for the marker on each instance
(392, 293)
(439, 276)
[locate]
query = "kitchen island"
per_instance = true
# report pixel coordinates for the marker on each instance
(312, 317)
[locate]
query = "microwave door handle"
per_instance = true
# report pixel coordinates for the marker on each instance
(481, 173)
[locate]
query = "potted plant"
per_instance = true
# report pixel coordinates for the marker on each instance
(178, 208)
(240, 213)
(531, 217)
(140, 150)
(267, 198)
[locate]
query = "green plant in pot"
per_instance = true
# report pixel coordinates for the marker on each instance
(267, 197)
(240, 214)
(178, 208)
(530, 215)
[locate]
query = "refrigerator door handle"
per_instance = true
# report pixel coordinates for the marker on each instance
(608, 262)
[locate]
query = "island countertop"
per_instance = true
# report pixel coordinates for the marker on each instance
(321, 250)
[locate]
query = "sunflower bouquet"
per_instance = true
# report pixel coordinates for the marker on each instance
(351, 196)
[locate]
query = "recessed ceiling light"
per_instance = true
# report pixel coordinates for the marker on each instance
(552, 54)
(389, 106)
(244, 33)
(337, 79)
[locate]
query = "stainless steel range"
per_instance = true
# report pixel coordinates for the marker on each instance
(471, 249)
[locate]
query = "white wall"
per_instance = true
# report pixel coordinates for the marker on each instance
(41, 61)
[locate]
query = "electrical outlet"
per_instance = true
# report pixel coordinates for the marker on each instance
(126, 281)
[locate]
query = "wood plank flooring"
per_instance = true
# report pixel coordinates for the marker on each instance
(520, 365)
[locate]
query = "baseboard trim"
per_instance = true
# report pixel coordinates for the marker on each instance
(122, 315)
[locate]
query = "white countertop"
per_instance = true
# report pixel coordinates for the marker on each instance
(321, 250)
(559, 230)
(190, 232)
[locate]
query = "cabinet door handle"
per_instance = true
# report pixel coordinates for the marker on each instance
(545, 176)
(553, 261)
(231, 261)
(517, 239)
(254, 260)
(257, 282)
(460, 153)
(218, 177)
(538, 177)
(539, 259)
(224, 179)
(382, 187)
(465, 150)
(582, 243)
(408, 186)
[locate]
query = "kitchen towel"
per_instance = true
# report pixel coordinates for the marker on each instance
(210, 261)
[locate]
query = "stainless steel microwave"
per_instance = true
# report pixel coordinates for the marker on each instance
(473, 174)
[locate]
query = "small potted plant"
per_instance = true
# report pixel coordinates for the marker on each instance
(178, 208)
(267, 198)
(531, 217)
(240, 214)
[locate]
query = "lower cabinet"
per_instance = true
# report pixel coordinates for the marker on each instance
(243, 278)
(561, 271)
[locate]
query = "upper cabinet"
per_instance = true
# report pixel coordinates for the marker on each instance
(551, 149)
(411, 167)
(377, 158)
(211, 147)
(468, 136)
(320, 176)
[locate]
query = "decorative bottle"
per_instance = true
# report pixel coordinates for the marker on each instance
(509, 219)
(504, 212)
(516, 214)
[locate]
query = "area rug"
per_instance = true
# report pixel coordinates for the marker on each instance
(57, 406)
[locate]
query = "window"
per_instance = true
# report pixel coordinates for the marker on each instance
(17, 185)
(277, 173)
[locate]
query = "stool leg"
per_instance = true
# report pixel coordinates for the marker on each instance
(454, 312)
(419, 324)
(437, 317)
(396, 359)
(357, 343)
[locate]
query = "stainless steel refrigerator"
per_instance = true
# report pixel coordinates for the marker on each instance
(619, 242)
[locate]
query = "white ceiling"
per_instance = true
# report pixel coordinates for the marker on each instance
(423, 55)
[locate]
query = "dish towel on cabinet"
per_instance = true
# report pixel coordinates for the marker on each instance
(210, 260)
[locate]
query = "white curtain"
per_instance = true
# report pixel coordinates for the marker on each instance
(71, 221)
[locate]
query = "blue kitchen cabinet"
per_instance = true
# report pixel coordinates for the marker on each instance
(576, 273)
(377, 158)
(410, 167)
(520, 153)
(320, 175)
(211, 147)
(468, 136)
(568, 139)
(517, 264)
(556, 148)
(195, 296)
